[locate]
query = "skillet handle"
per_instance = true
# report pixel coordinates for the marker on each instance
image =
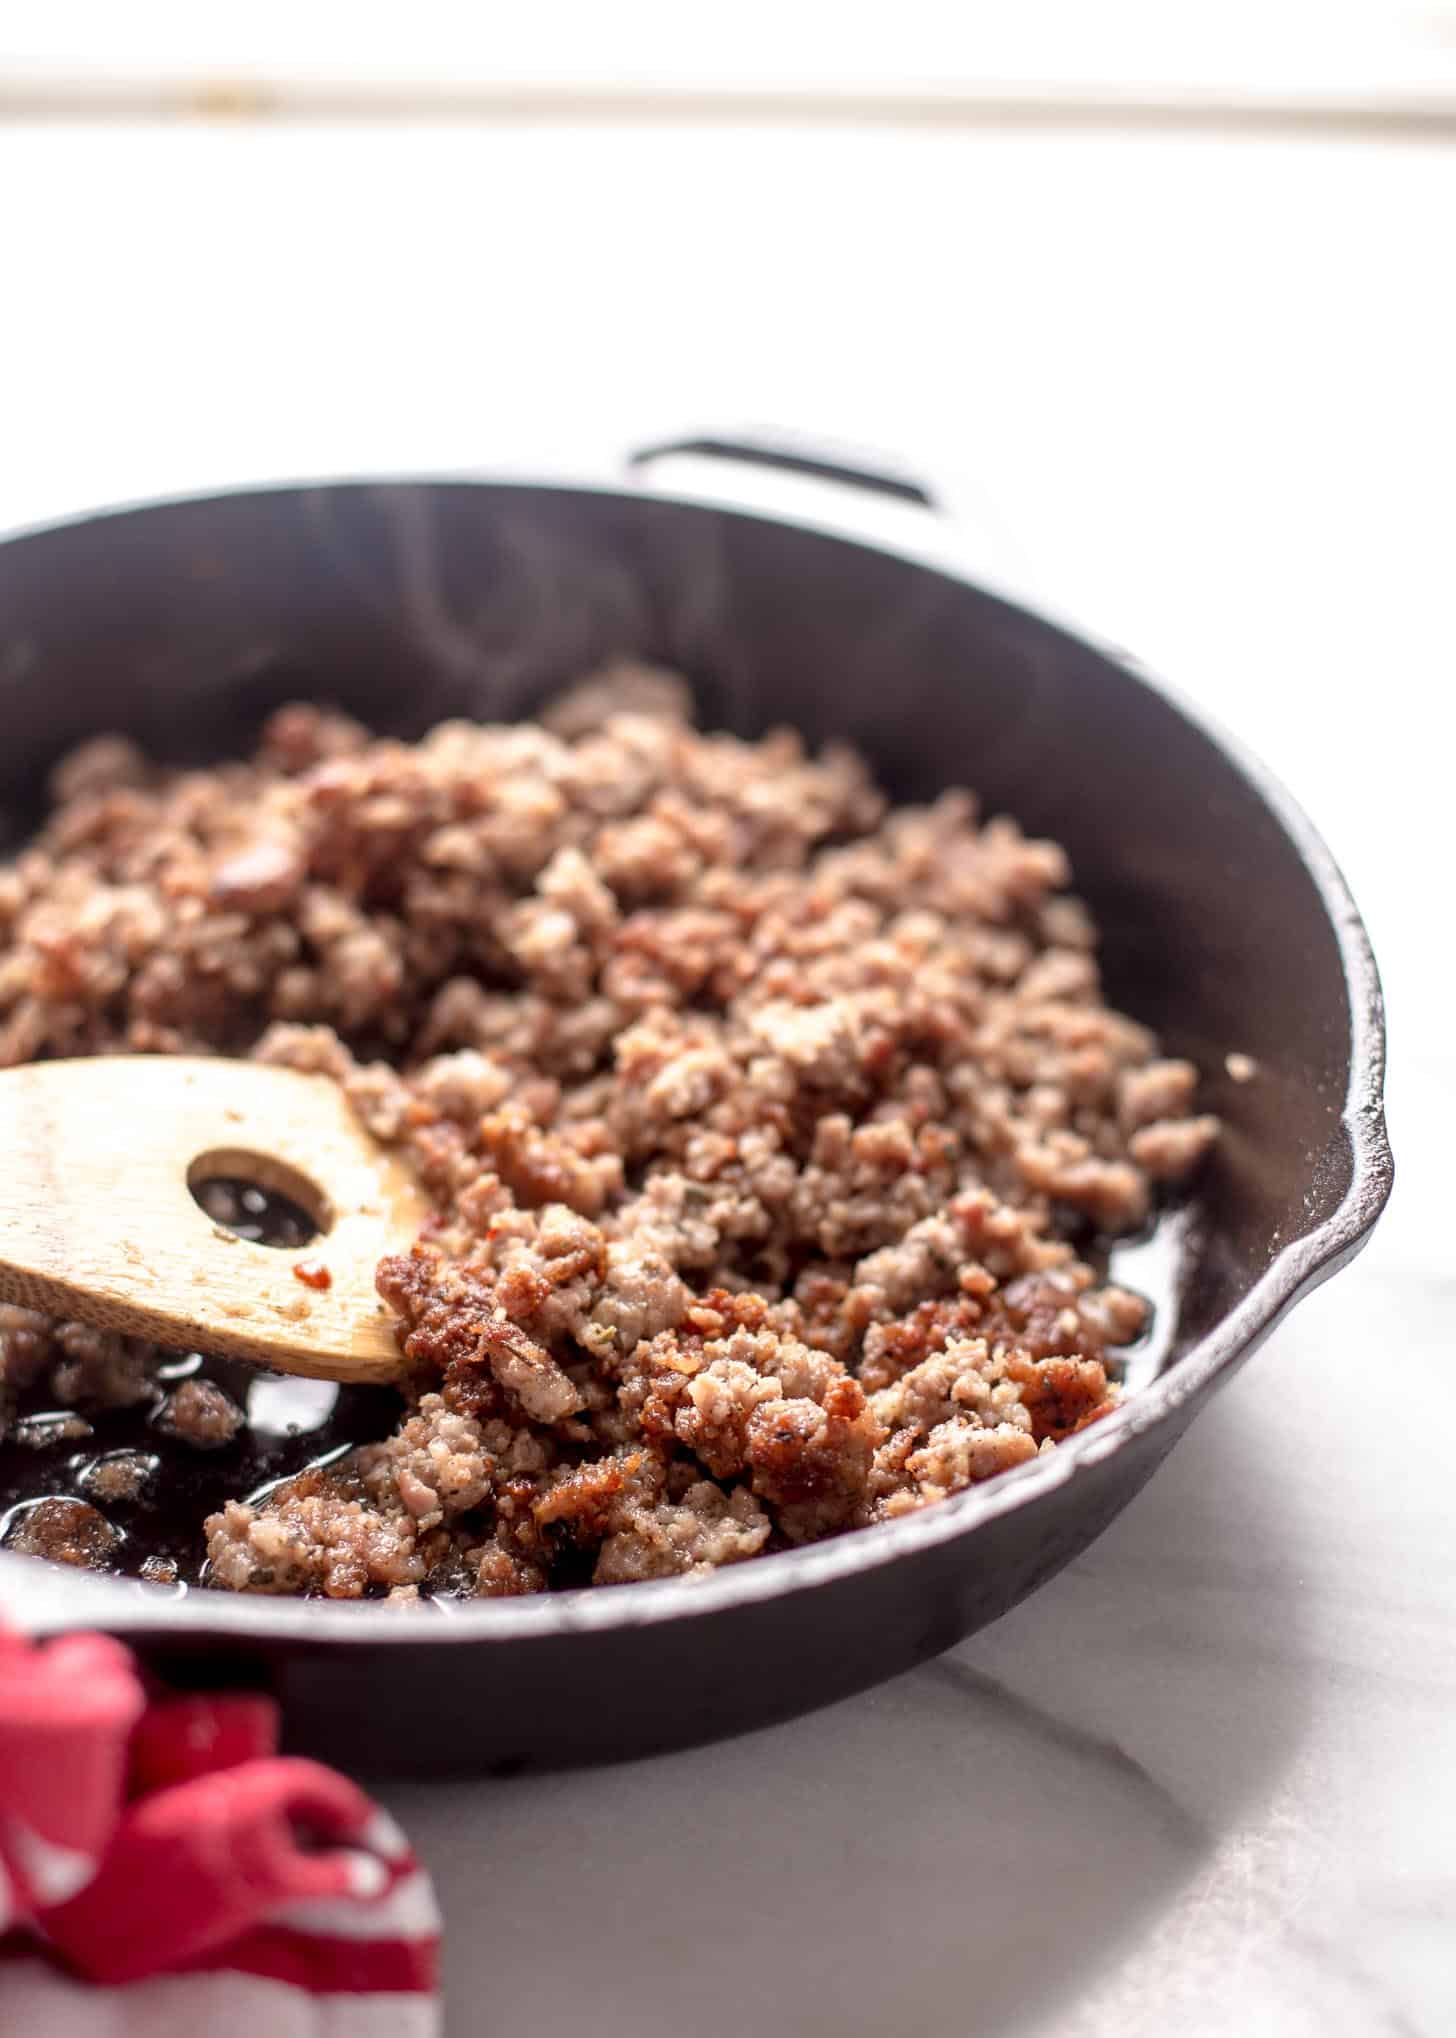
(790, 455)
(848, 491)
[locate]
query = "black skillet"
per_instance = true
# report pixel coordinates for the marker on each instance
(1227, 926)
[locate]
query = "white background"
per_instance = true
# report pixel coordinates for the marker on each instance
(1299, 47)
(1204, 386)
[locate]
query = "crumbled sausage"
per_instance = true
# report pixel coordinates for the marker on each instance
(200, 1414)
(66, 1531)
(119, 1475)
(758, 1118)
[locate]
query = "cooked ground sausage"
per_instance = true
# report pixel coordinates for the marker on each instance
(757, 1115)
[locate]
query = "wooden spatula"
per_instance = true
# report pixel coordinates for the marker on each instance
(98, 1220)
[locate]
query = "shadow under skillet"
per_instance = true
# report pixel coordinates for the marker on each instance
(961, 1850)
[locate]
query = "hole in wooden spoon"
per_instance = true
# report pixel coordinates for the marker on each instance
(263, 1200)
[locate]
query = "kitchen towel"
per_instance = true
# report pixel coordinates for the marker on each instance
(163, 1871)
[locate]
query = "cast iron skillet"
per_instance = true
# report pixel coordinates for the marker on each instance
(1227, 926)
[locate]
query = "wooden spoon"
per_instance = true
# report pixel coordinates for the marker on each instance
(98, 1221)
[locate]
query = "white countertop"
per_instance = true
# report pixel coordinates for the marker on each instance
(1206, 1780)
(1293, 53)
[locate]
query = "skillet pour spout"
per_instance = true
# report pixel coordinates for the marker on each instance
(1226, 927)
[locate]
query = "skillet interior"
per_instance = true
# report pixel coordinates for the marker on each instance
(185, 623)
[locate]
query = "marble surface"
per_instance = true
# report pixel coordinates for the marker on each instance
(1206, 1780)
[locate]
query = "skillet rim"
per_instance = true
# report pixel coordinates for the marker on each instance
(47, 1600)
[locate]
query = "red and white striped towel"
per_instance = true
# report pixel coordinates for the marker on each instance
(165, 1874)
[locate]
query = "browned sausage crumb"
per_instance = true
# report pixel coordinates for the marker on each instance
(200, 1414)
(119, 1475)
(36, 1433)
(66, 1531)
(757, 1116)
